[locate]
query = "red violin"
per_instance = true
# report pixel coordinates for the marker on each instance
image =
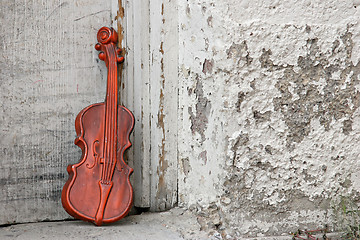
(98, 189)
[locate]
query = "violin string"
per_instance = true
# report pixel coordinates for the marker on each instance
(113, 115)
(114, 108)
(108, 120)
(104, 148)
(110, 117)
(115, 140)
(111, 127)
(105, 145)
(108, 103)
(108, 108)
(113, 159)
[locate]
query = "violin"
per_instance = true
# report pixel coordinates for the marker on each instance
(98, 189)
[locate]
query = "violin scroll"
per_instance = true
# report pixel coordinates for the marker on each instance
(108, 37)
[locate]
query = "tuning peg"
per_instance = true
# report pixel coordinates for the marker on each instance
(102, 56)
(98, 46)
(120, 59)
(118, 51)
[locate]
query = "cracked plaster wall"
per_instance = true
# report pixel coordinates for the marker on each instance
(269, 102)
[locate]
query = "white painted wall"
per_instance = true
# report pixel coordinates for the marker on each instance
(268, 111)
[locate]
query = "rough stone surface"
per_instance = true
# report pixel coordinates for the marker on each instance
(269, 90)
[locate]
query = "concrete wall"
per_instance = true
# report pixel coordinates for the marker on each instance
(269, 112)
(49, 72)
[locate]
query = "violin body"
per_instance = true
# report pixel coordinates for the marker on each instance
(98, 189)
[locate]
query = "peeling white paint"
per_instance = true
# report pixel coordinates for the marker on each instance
(278, 159)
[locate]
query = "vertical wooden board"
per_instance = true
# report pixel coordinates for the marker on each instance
(141, 102)
(49, 72)
(135, 91)
(164, 98)
(150, 88)
(126, 86)
(170, 47)
(143, 65)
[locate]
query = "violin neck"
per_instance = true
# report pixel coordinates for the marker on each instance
(112, 86)
(111, 113)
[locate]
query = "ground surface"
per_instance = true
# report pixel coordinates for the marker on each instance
(175, 225)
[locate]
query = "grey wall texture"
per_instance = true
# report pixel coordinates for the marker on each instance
(49, 72)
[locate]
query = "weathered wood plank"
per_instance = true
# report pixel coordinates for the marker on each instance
(164, 98)
(151, 72)
(138, 77)
(135, 93)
